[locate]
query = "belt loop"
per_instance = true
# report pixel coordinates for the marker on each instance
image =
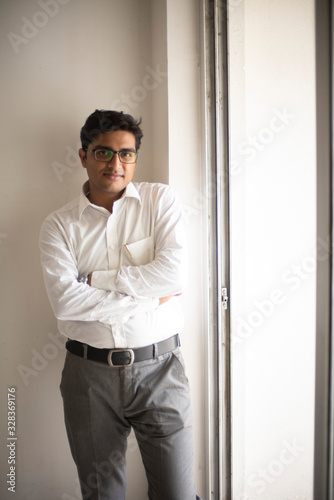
(155, 351)
(85, 348)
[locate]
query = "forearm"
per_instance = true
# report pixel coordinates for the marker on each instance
(71, 300)
(80, 302)
(162, 300)
(160, 278)
(165, 275)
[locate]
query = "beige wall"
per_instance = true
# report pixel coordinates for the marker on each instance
(60, 61)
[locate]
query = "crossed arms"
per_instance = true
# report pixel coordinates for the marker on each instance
(112, 295)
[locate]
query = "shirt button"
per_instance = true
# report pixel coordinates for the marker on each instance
(112, 247)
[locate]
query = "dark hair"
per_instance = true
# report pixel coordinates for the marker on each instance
(107, 121)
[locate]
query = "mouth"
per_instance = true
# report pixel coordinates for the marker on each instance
(113, 176)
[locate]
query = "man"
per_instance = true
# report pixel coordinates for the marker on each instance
(113, 262)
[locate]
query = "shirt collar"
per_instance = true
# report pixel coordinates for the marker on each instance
(130, 192)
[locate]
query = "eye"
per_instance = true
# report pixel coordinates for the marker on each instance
(128, 156)
(103, 154)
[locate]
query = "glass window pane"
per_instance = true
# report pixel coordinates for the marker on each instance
(273, 247)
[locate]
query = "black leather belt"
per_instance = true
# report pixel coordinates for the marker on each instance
(122, 357)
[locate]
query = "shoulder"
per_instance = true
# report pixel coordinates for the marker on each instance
(154, 191)
(64, 215)
(159, 199)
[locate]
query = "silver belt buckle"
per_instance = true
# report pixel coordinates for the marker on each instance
(110, 353)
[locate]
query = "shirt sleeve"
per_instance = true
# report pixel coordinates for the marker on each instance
(75, 301)
(166, 274)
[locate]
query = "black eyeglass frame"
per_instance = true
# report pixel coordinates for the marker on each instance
(115, 152)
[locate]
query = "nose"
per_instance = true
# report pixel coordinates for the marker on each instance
(114, 166)
(114, 162)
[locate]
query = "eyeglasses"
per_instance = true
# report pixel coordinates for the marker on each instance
(106, 155)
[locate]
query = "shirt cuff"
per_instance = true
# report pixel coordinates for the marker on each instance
(104, 280)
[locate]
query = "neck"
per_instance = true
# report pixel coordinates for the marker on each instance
(102, 199)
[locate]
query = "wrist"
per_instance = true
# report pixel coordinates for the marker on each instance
(85, 279)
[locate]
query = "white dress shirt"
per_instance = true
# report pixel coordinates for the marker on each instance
(136, 255)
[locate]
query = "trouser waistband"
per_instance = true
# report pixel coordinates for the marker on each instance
(122, 357)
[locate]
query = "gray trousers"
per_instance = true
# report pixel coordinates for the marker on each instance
(102, 404)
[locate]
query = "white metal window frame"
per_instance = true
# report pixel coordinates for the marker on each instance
(215, 158)
(214, 29)
(324, 387)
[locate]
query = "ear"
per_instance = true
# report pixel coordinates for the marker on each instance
(83, 157)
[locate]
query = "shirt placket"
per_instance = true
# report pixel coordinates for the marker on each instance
(112, 243)
(113, 249)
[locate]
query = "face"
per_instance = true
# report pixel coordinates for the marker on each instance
(107, 180)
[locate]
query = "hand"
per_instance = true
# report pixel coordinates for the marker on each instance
(162, 300)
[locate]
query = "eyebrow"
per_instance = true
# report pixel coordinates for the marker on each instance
(100, 146)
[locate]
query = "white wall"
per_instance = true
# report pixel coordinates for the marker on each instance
(83, 55)
(273, 261)
(186, 173)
